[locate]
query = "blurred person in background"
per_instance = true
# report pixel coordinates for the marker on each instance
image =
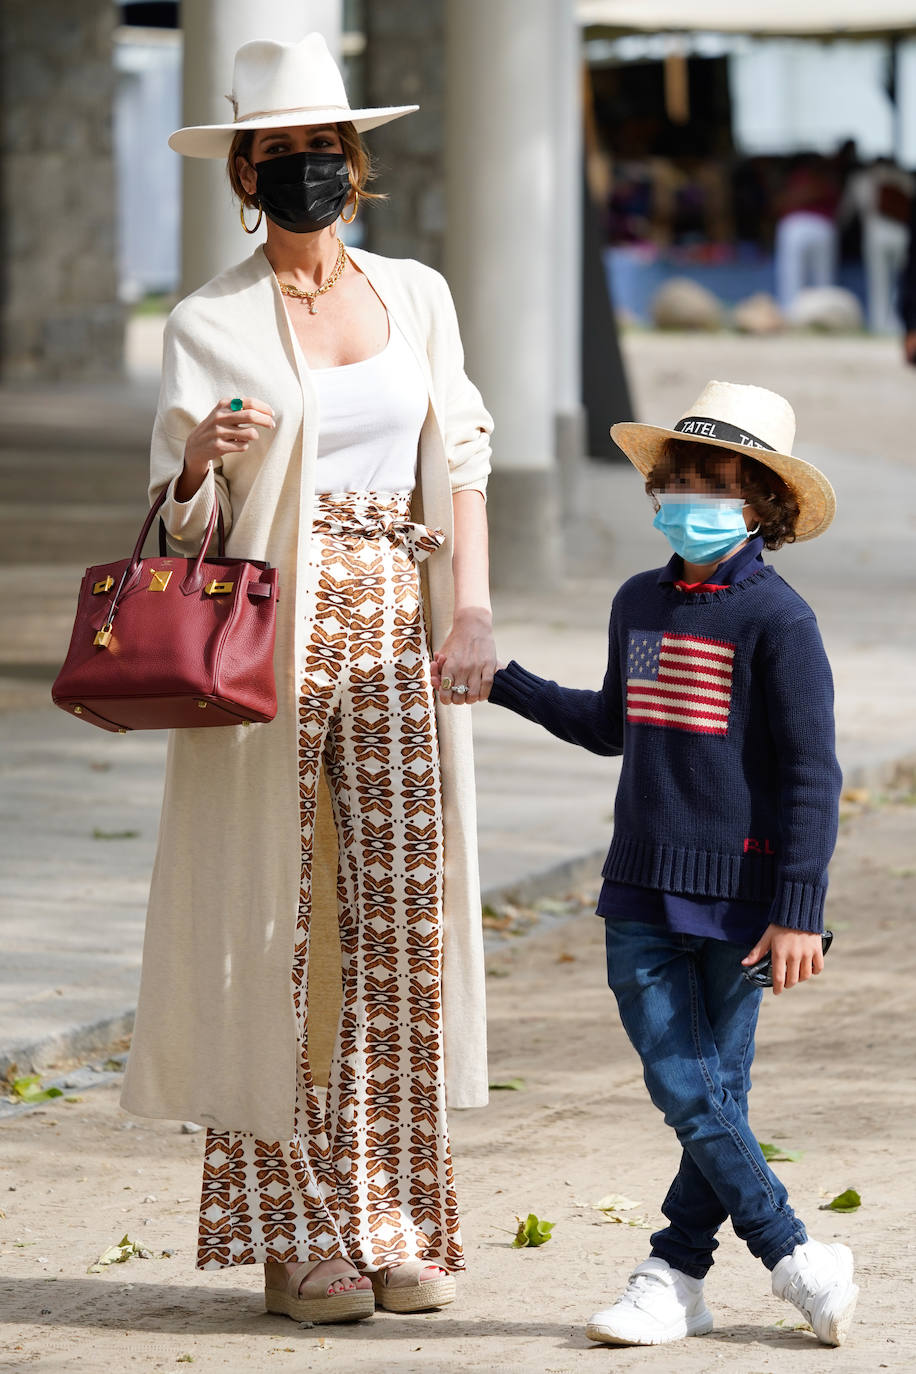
(906, 297)
(318, 394)
(805, 247)
(880, 196)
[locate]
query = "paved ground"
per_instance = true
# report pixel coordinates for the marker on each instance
(833, 1078)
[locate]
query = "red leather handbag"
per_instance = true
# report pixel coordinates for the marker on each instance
(164, 643)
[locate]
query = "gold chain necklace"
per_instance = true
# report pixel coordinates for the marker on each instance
(299, 295)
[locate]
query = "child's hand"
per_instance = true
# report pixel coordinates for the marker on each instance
(796, 955)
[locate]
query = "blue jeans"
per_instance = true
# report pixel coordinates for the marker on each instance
(691, 1016)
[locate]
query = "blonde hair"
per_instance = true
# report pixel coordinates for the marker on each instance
(359, 162)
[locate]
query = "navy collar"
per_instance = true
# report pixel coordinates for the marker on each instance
(727, 573)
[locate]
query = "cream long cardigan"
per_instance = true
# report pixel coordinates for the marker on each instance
(215, 1037)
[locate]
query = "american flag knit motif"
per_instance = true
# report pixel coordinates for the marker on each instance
(679, 681)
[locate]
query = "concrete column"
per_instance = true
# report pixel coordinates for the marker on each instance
(570, 413)
(60, 316)
(211, 234)
(502, 262)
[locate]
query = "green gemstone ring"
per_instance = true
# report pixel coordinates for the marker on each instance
(236, 403)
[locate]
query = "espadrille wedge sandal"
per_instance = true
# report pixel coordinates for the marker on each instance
(400, 1289)
(308, 1300)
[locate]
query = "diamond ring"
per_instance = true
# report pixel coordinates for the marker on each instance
(460, 691)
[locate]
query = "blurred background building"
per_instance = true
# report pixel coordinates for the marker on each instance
(717, 139)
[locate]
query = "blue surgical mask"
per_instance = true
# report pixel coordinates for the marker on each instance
(702, 529)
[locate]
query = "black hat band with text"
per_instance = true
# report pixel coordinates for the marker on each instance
(700, 427)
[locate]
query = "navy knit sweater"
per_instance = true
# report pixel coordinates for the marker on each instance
(721, 703)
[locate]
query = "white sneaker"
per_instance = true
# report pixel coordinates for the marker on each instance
(817, 1278)
(659, 1304)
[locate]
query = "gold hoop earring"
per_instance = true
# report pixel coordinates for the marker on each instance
(257, 223)
(355, 208)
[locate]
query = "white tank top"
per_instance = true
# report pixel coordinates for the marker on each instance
(370, 417)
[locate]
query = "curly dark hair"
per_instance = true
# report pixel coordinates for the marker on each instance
(771, 497)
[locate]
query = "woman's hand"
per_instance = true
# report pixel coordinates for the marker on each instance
(225, 431)
(795, 954)
(466, 659)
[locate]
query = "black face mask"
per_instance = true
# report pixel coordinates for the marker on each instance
(303, 192)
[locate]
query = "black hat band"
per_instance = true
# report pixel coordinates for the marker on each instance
(700, 427)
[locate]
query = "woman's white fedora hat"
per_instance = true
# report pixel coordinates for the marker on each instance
(747, 420)
(277, 85)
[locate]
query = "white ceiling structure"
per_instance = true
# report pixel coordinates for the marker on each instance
(787, 17)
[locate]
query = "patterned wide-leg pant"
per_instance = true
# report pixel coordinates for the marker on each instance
(368, 1172)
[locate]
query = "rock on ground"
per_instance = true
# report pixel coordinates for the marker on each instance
(683, 304)
(830, 308)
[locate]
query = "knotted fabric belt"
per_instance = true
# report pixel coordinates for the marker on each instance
(375, 515)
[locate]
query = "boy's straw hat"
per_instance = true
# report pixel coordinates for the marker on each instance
(745, 419)
(276, 86)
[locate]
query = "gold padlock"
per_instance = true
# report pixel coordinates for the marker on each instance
(103, 637)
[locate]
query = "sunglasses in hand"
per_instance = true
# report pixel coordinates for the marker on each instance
(761, 973)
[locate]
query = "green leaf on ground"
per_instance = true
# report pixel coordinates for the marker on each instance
(773, 1154)
(843, 1202)
(98, 834)
(119, 1254)
(511, 1085)
(532, 1231)
(29, 1089)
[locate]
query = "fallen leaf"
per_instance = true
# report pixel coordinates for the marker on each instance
(512, 1085)
(614, 1202)
(774, 1153)
(565, 958)
(532, 1231)
(119, 1254)
(98, 834)
(843, 1202)
(28, 1089)
(73, 1099)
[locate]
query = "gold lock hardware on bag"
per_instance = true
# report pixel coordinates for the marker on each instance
(105, 585)
(159, 580)
(218, 588)
(103, 637)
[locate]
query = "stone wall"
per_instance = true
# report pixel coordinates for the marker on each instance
(404, 65)
(60, 315)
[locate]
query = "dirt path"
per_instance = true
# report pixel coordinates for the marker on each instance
(834, 1078)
